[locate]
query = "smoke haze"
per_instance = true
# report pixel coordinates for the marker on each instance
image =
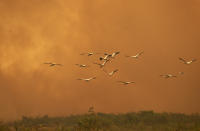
(33, 32)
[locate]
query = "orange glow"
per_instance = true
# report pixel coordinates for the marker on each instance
(36, 31)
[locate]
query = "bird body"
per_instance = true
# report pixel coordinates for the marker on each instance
(126, 82)
(136, 56)
(53, 64)
(106, 57)
(181, 73)
(89, 53)
(82, 65)
(115, 54)
(101, 65)
(168, 76)
(187, 62)
(88, 79)
(111, 73)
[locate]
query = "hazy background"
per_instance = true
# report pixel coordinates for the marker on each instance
(36, 31)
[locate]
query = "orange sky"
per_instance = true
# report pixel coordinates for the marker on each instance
(36, 31)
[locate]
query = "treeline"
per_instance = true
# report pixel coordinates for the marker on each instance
(92, 121)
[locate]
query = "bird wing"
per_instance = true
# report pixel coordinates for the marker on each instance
(141, 53)
(115, 53)
(94, 77)
(181, 73)
(47, 63)
(108, 56)
(134, 56)
(115, 70)
(104, 62)
(59, 64)
(91, 78)
(118, 52)
(163, 75)
(111, 73)
(182, 59)
(96, 63)
(121, 82)
(138, 54)
(194, 60)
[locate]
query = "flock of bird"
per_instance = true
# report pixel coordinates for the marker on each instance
(109, 57)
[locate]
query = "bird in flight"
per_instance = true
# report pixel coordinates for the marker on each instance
(52, 64)
(87, 80)
(126, 82)
(181, 73)
(89, 53)
(101, 65)
(111, 73)
(168, 76)
(82, 65)
(106, 57)
(187, 62)
(115, 54)
(136, 56)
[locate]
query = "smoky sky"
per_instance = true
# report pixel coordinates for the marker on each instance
(33, 32)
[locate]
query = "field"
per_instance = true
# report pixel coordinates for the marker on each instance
(92, 121)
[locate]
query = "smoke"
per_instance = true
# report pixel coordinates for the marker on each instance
(33, 32)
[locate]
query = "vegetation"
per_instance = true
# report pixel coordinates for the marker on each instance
(92, 121)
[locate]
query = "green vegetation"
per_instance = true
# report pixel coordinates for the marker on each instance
(91, 121)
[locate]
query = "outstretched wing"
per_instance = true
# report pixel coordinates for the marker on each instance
(141, 53)
(182, 59)
(194, 60)
(115, 53)
(121, 82)
(47, 63)
(163, 75)
(115, 70)
(59, 64)
(96, 63)
(93, 78)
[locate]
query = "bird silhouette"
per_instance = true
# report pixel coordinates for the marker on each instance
(88, 79)
(89, 53)
(101, 65)
(126, 82)
(187, 62)
(136, 56)
(52, 64)
(82, 65)
(111, 73)
(168, 76)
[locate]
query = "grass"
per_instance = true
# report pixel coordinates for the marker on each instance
(92, 121)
